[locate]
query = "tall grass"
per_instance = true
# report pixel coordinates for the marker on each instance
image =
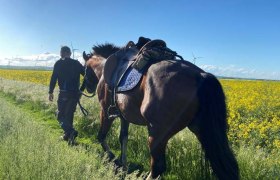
(183, 153)
(29, 151)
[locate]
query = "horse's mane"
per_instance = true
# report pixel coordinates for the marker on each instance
(105, 50)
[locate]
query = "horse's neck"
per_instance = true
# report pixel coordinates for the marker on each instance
(98, 69)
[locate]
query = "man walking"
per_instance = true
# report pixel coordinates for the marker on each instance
(67, 72)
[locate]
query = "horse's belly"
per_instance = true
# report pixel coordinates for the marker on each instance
(130, 109)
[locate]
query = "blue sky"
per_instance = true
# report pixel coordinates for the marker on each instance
(238, 38)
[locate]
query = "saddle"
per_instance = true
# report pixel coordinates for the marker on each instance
(126, 66)
(153, 52)
(115, 67)
(117, 64)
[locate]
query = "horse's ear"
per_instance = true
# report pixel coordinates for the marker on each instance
(85, 56)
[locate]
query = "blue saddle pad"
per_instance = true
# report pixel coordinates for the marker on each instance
(129, 80)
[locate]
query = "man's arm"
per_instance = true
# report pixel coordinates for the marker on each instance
(82, 69)
(82, 72)
(53, 82)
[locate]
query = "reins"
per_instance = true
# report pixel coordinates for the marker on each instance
(84, 111)
(88, 96)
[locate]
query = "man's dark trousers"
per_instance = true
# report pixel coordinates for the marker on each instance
(67, 102)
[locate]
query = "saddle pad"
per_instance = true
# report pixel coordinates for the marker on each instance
(129, 80)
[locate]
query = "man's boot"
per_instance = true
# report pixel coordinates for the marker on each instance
(72, 137)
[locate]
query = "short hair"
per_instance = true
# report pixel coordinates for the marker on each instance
(65, 49)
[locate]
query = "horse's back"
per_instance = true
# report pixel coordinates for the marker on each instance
(174, 75)
(176, 66)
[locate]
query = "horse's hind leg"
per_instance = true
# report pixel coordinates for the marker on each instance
(123, 138)
(102, 134)
(157, 147)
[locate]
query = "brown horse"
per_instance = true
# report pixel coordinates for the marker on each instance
(171, 96)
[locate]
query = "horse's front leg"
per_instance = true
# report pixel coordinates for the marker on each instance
(123, 138)
(106, 124)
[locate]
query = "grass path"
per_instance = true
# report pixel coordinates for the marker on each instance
(31, 150)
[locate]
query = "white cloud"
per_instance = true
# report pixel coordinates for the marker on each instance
(48, 59)
(44, 59)
(239, 72)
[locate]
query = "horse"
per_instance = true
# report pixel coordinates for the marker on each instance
(171, 96)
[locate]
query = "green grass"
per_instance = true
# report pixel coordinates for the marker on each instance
(183, 152)
(30, 150)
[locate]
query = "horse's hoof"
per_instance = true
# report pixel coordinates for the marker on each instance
(151, 178)
(118, 163)
(124, 168)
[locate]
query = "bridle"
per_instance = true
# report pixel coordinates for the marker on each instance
(85, 82)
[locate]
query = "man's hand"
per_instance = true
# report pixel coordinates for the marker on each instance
(51, 97)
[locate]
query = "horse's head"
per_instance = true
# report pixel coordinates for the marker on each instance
(94, 64)
(90, 78)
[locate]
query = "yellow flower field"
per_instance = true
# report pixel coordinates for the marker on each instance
(254, 112)
(35, 76)
(253, 107)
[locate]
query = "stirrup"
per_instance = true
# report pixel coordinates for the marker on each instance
(113, 112)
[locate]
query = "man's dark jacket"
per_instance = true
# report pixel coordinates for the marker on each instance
(67, 72)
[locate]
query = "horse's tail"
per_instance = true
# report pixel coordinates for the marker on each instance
(213, 128)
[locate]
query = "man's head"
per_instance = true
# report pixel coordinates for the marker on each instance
(65, 52)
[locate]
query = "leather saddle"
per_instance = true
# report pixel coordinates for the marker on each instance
(117, 64)
(114, 69)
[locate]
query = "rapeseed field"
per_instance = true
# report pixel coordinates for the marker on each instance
(34, 76)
